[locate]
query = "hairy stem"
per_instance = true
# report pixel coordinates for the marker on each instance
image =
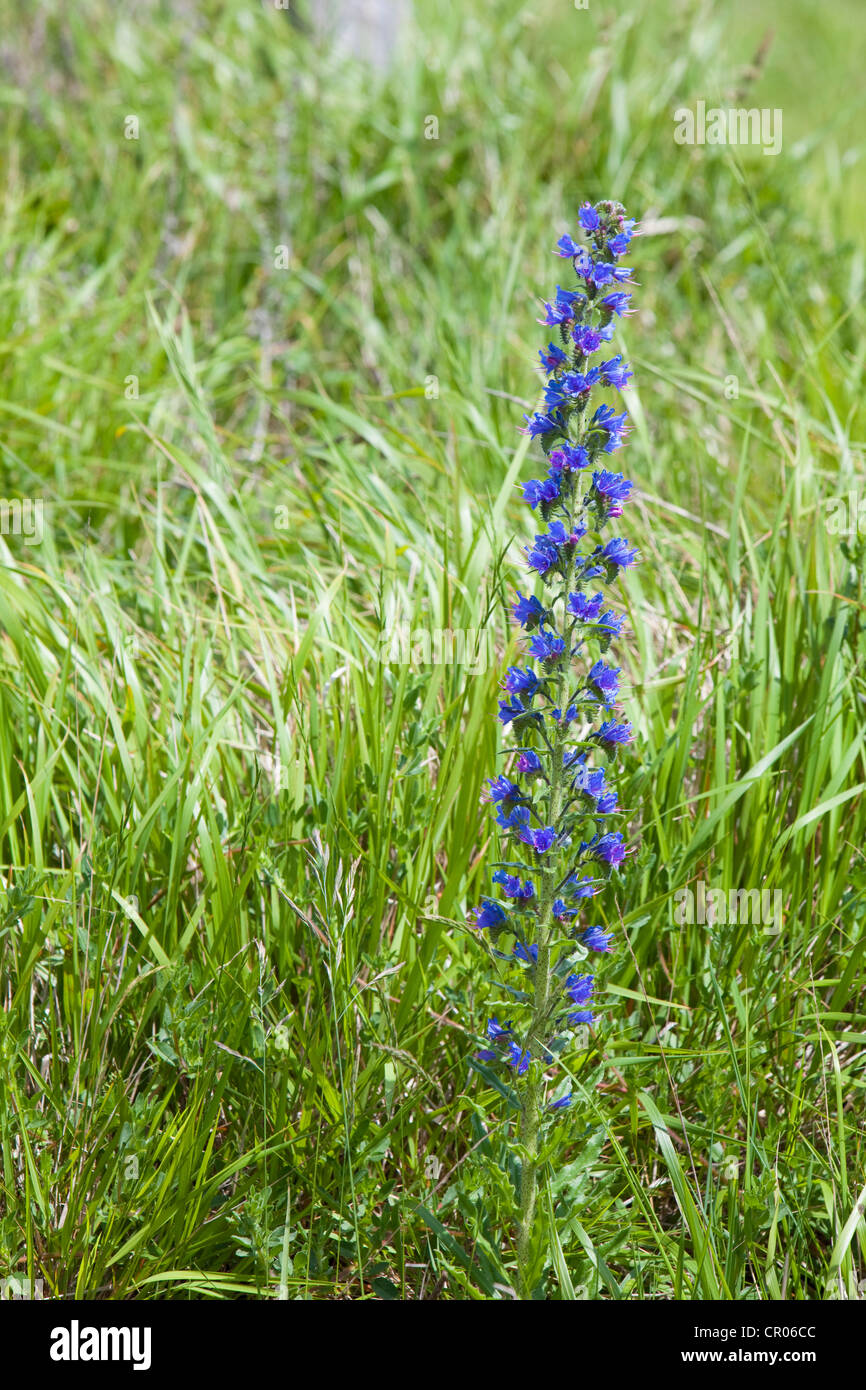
(530, 1113)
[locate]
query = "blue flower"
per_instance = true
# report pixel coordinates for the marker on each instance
(595, 939)
(588, 339)
(541, 840)
(610, 848)
(512, 886)
(510, 710)
(612, 622)
(528, 611)
(593, 783)
(619, 244)
(529, 957)
(606, 421)
(502, 790)
(529, 763)
(547, 647)
(618, 553)
(579, 888)
(538, 424)
(554, 394)
(496, 1031)
(515, 712)
(612, 489)
(606, 679)
(517, 1059)
(490, 914)
(519, 681)
(579, 988)
(589, 780)
(589, 218)
(584, 608)
(562, 1104)
(562, 307)
(567, 248)
(602, 273)
(545, 491)
(606, 273)
(617, 303)
(554, 357)
(545, 554)
(616, 372)
(612, 734)
(568, 458)
(570, 387)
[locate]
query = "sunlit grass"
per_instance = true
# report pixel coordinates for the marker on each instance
(238, 849)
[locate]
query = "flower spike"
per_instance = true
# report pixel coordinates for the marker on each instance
(556, 806)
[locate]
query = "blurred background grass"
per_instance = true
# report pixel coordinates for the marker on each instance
(263, 365)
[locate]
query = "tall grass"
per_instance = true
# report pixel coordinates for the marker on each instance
(237, 847)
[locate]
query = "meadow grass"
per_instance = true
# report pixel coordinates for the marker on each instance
(264, 366)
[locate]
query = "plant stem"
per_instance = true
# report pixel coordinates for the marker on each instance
(530, 1113)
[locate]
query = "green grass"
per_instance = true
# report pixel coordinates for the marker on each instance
(238, 851)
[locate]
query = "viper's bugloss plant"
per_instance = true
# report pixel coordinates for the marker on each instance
(560, 706)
